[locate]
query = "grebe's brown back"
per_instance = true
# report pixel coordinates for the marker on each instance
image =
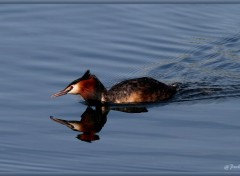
(138, 90)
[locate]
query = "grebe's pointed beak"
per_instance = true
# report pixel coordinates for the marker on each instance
(63, 92)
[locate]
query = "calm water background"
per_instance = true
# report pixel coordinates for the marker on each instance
(44, 47)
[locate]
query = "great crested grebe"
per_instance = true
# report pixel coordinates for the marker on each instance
(138, 90)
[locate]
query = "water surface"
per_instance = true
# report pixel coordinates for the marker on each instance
(45, 47)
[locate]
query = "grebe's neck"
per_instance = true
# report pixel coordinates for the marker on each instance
(92, 90)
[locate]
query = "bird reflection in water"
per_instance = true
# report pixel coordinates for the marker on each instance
(92, 121)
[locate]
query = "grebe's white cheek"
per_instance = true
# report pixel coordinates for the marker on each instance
(74, 90)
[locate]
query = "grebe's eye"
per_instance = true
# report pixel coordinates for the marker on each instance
(70, 88)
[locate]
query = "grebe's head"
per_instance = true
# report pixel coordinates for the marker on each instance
(88, 86)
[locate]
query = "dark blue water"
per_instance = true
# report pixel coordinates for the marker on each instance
(45, 47)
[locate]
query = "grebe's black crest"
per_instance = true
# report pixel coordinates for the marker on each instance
(86, 76)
